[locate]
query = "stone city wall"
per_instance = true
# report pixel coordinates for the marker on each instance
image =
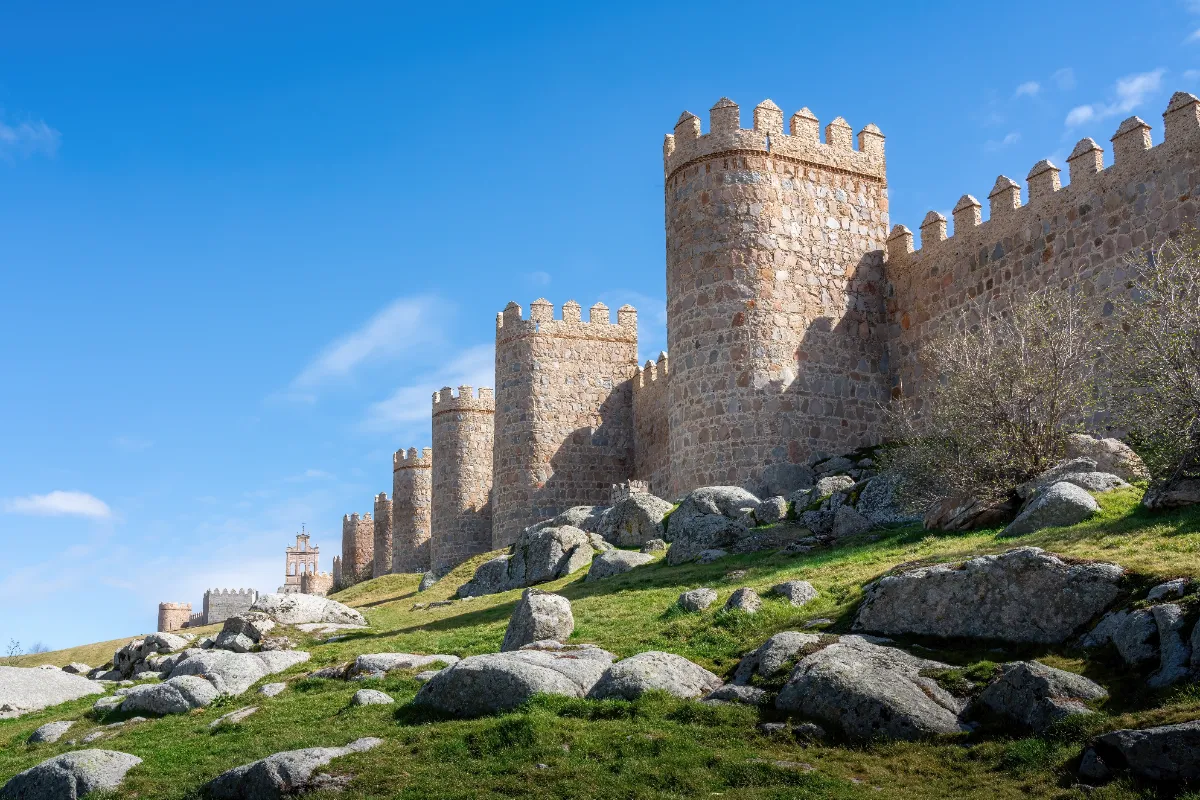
(564, 411)
(319, 583)
(173, 616)
(337, 572)
(358, 544)
(774, 293)
(1077, 236)
(651, 447)
(221, 604)
(412, 505)
(461, 513)
(381, 560)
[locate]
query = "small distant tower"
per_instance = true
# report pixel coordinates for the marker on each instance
(381, 561)
(318, 583)
(462, 476)
(358, 544)
(173, 616)
(412, 505)
(337, 573)
(301, 559)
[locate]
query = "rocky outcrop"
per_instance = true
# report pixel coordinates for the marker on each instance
(427, 581)
(1035, 696)
(176, 696)
(796, 592)
(710, 518)
(745, 600)
(1111, 455)
(134, 657)
(586, 518)
(23, 690)
(773, 655)
(538, 556)
(294, 609)
(497, 682)
(616, 562)
(1176, 494)
(369, 663)
(1173, 652)
(1169, 753)
(966, 513)
(635, 520)
(234, 673)
(1059, 505)
(771, 510)
(70, 776)
(866, 690)
(50, 732)
(284, 774)
(697, 599)
(880, 503)
(653, 670)
(539, 615)
(1023, 595)
(243, 632)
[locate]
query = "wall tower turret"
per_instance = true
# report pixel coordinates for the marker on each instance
(462, 476)
(358, 545)
(381, 558)
(412, 504)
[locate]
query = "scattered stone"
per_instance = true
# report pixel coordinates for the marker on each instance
(497, 682)
(441, 603)
(177, 696)
(1092, 768)
(296, 609)
(387, 662)
(1164, 591)
(70, 775)
(869, 691)
(1173, 652)
(833, 466)
(1102, 634)
(710, 518)
(1168, 753)
(1110, 455)
(809, 732)
(337, 672)
(50, 732)
(539, 555)
(426, 676)
(270, 643)
(283, 774)
(235, 643)
(771, 510)
(106, 704)
(327, 627)
(371, 697)
(654, 670)
(587, 518)
(148, 676)
(1060, 505)
(773, 655)
(272, 689)
(1023, 595)
(538, 615)
(697, 599)
(654, 546)
(1032, 488)
(966, 513)
(745, 600)
(1036, 696)
(797, 593)
(427, 581)
(1134, 638)
(616, 562)
(23, 690)
(818, 622)
(708, 556)
(1177, 494)
(237, 672)
(848, 522)
(880, 504)
(771, 728)
(93, 737)
(376, 675)
(736, 575)
(77, 668)
(635, 520)
(233, 717)
(746, 695)
(824, 487)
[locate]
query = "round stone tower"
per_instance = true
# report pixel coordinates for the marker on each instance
(173, 616)
(412, 498)
(381, 557)
(462, 476)
(774, 295)
(358, 545)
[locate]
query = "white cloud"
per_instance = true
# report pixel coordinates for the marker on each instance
(59, 504)
(475, 366)
(1194, 36)
(1129, 92)
(1028, 89)
(1064, 78)
(27, 139)
(1009, 139)
(538, 278)
(407, 324)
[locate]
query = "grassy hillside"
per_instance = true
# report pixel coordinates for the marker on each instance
(658, 746)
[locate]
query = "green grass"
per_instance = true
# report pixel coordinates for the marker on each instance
(657, 746)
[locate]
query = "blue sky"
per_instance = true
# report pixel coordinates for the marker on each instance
(242, 243)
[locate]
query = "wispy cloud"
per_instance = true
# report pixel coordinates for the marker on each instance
(475, 366)
(538, 278)
(999, 144)
(1129, 92)
(311, 475)
(132, 444)
(1194, 36)
(59, 504)
(1064, 78)
(27, 139)
(1028, 89)
(407, 324)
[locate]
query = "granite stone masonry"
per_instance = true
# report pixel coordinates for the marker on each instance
(381, 562)
(462, 476)
(412, 504)
(358, 545)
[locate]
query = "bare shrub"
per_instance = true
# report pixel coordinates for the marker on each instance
(999, 399)
(1154, 379)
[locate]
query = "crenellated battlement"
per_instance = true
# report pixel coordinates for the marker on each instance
(511, 325)
(466, 400)
(652, 373)
(231, 593)
(802, 143)
(1133, 155)
(412, 459)
(175, 607)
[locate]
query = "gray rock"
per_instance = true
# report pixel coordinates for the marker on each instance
(1094, 481)
(497, 682)
(1134, 638)
(833, 466)
(1046, 479)
(1173, 652)
(237, 672)
(1023, 595)
(824, 487)
(272, 689)
(387, 662)
(746, 695)
(1060, 505)
(94, 736)
(797, 593)
(1168, 753)
(654, 546)
(426, 676)
(177, 696)
(966, 512)
(148, 676)
(539, 555)
(708, 518)
(539, 615)
(783, 478)
(848, 522)
(1164, 591)
(1036, 696)
(252, 624)
(234, 717)
(427, 581)
(1110, 455)
(809, 732)
(867, 691)
(616, 562)
(774, 655)
(586, 518)
(293, 609)
(106, 704)
(709, 556)
(235, 642)
(491, 577)
(654, 670)
(23, 690)
(77, 668)
(599, 544)
(371, 697)
(70, 776)
(697, 599)
(771, 510)
(283, 774)
(1176, 494)
(635, 520)
(745, 600)
(1092, 768)
(376, 675)
(880, 503)
(50, 732)
(1103, 633)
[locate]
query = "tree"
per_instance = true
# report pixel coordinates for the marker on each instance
(998, 400)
